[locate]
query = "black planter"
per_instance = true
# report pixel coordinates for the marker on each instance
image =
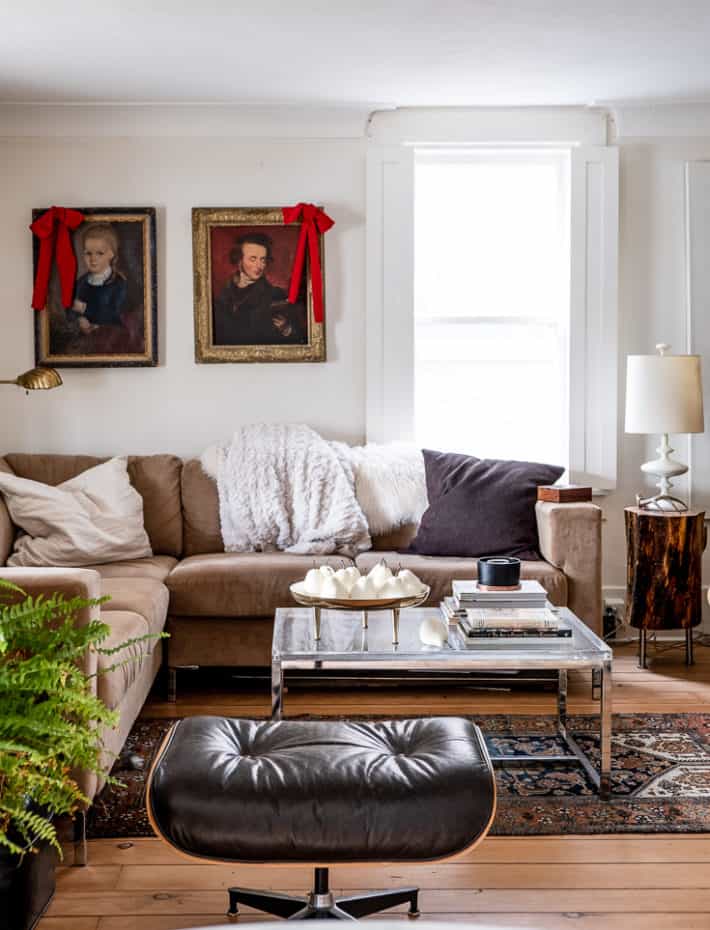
(26, 887)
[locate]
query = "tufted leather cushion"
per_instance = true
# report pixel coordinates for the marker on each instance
(322, 791)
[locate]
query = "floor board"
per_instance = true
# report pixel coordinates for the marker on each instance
(521, 883)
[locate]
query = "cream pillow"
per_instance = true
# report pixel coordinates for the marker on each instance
(95, 517)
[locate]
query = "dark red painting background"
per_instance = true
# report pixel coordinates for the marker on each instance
(278, 271)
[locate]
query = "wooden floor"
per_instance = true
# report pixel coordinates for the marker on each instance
(550, 883)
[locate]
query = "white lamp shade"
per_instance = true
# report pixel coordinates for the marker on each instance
(664, 394)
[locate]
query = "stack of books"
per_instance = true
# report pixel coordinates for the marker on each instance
(527, 594)
(514, 616)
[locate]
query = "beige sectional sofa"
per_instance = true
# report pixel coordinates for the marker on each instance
(218, 607)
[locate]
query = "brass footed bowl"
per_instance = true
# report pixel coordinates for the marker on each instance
(359, 604)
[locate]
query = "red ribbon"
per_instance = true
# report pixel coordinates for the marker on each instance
(313, 223)
(52, 229)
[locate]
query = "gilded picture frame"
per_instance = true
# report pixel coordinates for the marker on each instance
(113, 321)
(242, 263)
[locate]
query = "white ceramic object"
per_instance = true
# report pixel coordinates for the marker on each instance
(380, 574)
(433, 631)
(393, 587)
(342, 576)
(411, 583)
(327, 570)
(363, 589)
(353, 574)
(334, 589)
(313, 582)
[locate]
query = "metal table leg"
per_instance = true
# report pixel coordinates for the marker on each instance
(642, 648)
(689, 660)
(605, 733)
(277, 689)
(395, 626)
(596, 684)
(562, 701)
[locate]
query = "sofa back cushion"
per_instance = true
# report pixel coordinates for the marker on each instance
(155, 477)
(200, 511)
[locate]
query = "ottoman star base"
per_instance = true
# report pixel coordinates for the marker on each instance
(321, 902)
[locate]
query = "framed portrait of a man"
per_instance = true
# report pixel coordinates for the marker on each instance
(243, 263)
(111, 320)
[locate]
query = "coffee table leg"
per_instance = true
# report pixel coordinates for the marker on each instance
(277, 689)
(562, 700)
(605, 732)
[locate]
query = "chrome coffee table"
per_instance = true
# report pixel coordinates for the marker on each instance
(345, 646)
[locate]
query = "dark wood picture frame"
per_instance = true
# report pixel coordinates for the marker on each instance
(233, 327)
(123, 332)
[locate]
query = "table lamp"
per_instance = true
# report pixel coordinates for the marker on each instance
(664, 395)
(35, 379)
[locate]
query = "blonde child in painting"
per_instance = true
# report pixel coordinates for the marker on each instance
(102, 291)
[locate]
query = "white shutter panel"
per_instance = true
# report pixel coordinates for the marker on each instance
(697, 212)
(390, 293)
(594, 244)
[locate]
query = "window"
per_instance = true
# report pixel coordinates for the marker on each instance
(491, 302)
(492, 252)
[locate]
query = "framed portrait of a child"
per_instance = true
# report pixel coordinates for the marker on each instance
(112, 320)
(243, 263)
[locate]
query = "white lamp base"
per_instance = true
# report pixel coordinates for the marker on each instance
(664, 468)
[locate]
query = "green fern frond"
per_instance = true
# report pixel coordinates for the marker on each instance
(51, 719)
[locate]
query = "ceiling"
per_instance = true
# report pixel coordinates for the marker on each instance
(369, 52)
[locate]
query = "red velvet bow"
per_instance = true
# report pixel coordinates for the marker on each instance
(52, 228)
(313, 222)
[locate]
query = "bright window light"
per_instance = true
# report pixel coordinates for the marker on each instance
(492, 303)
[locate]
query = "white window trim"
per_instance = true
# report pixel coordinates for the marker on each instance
(594, 352)
(594, 270)
(697, 218)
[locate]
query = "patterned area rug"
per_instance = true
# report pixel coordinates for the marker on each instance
(660, 778)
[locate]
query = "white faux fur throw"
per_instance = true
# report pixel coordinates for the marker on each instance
(390, 483)
(284, 487)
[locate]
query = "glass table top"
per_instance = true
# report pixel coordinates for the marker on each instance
(344, 643)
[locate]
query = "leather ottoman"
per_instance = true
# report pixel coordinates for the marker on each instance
(322, 792)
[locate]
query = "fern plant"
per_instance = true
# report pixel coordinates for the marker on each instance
(50, 721)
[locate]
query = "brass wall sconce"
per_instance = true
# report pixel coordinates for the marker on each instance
(37, 379)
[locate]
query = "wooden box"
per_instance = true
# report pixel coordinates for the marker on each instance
(564, 493)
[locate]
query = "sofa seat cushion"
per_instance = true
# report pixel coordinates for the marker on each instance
(439, 571)
(142, 596)
(116, 675)
(157, 567)
(239, 584)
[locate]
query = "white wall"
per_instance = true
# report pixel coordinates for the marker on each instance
(652, 305)
(180, 406)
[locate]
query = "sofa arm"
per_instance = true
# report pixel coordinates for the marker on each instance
(7, 529)
(71, 582)
(571, 540)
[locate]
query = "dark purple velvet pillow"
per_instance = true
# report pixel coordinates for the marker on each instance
(480, 506)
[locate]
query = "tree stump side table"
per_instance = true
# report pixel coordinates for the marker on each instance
(663, 568)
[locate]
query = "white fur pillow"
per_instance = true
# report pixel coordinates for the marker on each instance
(95, 517)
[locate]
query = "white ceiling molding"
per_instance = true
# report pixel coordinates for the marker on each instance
(489, 125)
(661, 120)
(183, 120)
